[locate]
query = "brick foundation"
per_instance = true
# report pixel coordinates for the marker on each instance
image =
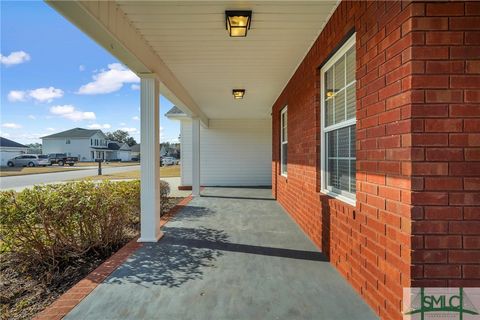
(417, 149)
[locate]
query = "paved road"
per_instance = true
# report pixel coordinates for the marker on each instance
(20, 182)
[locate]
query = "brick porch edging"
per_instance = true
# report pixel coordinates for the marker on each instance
(73, 296)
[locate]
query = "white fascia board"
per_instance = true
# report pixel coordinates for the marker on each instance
(107, 24)
(177, 116)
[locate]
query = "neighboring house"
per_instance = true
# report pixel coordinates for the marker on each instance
(173, 151)
(86, 144)
(163, 151)
(135, 151)
(10, 149)
(119, 151)
(170, 150)
(233, 153)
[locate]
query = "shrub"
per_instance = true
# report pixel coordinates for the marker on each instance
(51, 224)
(164, 191)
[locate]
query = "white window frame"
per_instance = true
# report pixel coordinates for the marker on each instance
(282, 141)
(345, 196)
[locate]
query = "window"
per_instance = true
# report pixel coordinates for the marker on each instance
(338, 123)
(67, 141)
(283, 141)
(91, 142)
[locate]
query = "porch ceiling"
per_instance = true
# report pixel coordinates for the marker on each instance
(185, 45)
(191, 39)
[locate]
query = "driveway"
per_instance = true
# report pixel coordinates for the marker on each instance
(231, 254)
(20, 182)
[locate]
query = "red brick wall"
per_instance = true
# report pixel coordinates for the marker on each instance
(370, 244)
(446, 226)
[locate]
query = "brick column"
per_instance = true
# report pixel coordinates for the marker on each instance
(446, 138)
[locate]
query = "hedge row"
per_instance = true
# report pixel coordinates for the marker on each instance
(51, 224)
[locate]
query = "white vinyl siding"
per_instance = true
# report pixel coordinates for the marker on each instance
(232, 153)
(338, 123)
(284, 141)
(78, 147)
(7, 153)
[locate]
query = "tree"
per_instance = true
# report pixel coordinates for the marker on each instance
(35, 145)
(130, 141)
(121, 136)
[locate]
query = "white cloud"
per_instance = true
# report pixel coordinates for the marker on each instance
(99, 126)
(11, 125)
(39, 94)
(26, 137)
(15, 57)
(59, 110)
(46, 94)
(136, 118)
(122, 124)
(129, 130)
(31, 116)
(17, 95)
(69, 112)
(50, 129)
(81, 68)
(135, 87)
(108, 81)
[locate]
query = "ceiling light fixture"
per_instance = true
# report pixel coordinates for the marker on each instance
(238, 22)
(238, 93)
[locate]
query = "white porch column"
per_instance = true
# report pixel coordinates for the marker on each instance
(149, 160)
(195, 157)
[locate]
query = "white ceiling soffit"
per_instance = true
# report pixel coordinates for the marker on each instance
(191, 39)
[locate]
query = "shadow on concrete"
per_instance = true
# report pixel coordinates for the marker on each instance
(170, 262)
(244, 248)
(190, 212)
(183, 253)
(326, 222)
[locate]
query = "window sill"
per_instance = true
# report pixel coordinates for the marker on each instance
(337, 196)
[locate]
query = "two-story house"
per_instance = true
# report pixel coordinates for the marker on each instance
(86, 144)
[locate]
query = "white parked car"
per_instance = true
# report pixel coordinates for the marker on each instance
(169, 161)
(29, 160)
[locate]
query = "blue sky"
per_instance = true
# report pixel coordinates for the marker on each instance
(54, 78)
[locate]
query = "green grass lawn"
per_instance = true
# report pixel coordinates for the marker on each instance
(106, 164)
(165, 172)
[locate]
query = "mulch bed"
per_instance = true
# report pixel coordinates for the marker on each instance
(24, 292)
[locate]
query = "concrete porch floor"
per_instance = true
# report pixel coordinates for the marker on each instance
(231, 254)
